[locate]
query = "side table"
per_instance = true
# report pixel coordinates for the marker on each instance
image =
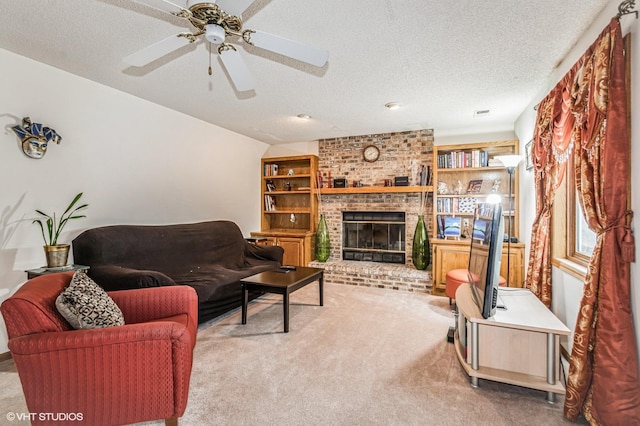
(31, 273)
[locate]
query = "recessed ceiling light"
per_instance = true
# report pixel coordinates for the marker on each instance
(304, 116)
(392, 105)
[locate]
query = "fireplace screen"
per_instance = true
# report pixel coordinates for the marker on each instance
(373, 236)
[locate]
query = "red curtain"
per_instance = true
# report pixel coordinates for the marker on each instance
(586, 116)
(552, 145)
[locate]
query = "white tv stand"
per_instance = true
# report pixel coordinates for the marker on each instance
(519, 345)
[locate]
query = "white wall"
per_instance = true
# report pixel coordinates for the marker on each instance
(474, 138)
(136, 162)
(288, 149)
(567, 290)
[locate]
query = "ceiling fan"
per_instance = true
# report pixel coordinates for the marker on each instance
(217, 21)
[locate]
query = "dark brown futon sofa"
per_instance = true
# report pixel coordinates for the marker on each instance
(211, 257)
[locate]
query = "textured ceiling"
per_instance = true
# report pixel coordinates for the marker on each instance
(441, 60)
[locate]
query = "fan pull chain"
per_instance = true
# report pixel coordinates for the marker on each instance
(210, 70)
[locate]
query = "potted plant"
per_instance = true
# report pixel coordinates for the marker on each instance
(57, 254)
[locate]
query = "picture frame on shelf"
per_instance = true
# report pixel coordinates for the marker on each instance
(527, 150)
(452, 227)
(475, 186)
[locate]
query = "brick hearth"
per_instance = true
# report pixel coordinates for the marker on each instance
(375, 274)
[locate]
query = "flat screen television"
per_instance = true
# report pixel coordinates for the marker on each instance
(485, 256)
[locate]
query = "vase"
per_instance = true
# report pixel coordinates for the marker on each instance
(323, 244)
(421, 252)
(57, 255)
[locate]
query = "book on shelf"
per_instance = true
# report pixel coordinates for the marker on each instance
(444, 205)
(270, 170)
(426, 176)
(467, 204)
(456, 205)
(269, 203)
(463, 159)
(440, 222)
(448, 205)
(323, 179)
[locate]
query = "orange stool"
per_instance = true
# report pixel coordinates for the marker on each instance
(456, 277)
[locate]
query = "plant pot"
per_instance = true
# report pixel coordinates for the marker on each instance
(421, 253)
(323, 242)
(57, 255)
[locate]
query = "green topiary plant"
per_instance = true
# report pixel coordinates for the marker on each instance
(55, 227)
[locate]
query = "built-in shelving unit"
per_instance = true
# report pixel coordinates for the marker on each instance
(289, 212)
(468, 173)
(464, 175)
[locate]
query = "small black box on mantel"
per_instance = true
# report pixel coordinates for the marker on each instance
(340, 183)
(401, 181)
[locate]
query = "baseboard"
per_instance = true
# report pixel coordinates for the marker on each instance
(5, 356)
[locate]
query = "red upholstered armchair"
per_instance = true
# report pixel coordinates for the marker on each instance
(109, 376)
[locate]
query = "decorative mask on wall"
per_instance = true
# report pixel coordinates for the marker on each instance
(35, 138)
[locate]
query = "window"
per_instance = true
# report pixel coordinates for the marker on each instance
(572, 240)
(576, 242)
(585, 240)
(580, 239)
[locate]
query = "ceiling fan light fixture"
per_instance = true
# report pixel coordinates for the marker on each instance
(214, 33)
(215, 21)
(194, 2)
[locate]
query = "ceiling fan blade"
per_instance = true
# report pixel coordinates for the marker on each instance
(164, 5)
(155, 51)
(234, 7)
(290, 48)
(237, 69)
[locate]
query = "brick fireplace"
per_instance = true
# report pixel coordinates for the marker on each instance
(342, 158)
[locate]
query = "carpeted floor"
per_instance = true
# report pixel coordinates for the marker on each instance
(367, 357)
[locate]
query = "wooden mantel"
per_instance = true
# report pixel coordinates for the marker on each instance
(375, 190)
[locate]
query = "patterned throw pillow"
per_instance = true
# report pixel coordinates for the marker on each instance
(86, 305)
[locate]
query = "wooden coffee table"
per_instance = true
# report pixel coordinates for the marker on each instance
(283, 283)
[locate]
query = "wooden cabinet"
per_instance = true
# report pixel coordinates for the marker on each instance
(467, 174)
(454, 254)
(298, 246)
(289, 212)
(519, 345)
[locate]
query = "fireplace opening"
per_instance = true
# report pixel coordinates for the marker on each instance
(373, 236)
